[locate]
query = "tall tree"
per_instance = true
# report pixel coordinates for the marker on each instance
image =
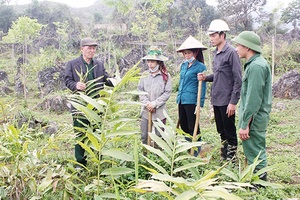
(24, 30)
(7, 15)
(147, 15)
(271, 25)
(241, 13)
(292, 12)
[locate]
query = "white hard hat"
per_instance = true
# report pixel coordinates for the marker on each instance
(217, 25)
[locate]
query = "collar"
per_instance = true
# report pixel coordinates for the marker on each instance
(158, 73)
(251, 59)
(226, 46)
(85, 63)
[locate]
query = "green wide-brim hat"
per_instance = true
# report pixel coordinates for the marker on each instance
(191, 43)
(249, 39)
(155, 53)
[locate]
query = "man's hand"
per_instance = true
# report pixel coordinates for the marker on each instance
(244, 134)
(230, 109)
(80, 86)
(201, 77)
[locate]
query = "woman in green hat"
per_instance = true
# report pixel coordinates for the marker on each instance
(193, 64)
(157, 85)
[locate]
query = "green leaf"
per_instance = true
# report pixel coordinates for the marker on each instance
(189, 194)
(187, 166)
(88, 149)
(118, 155)
(268, 184)
(110, 196)
(44, 186)
(98, 104)
(186, 146)
(168, 178)
(117, 171)
(153, 171)
(157, 152)
(89, 113)
(268, 168)
(158, 167)
(204, 184)
(7, 151)
(94, 140)
(161, 143)
(230, 174)
(152, 186)
(220, 194)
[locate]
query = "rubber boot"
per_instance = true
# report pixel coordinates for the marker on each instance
(263, 176)
(224, 150)
(231, 153)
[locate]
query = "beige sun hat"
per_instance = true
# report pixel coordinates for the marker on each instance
(155, 53)
(191, 43)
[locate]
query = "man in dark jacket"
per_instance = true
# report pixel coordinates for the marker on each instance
(79, 72)
(226, 85)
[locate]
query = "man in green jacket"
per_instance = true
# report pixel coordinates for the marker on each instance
(256, 99)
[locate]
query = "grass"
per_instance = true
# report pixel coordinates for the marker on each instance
(283, 139)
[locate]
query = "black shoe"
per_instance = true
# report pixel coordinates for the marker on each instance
(224, 150)
(231, 153)
(263, 177)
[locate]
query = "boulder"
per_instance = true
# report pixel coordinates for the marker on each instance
(4, 86)
(288, 86)
(56, 104)
(51, 79)
(131, 59)
(3, 77)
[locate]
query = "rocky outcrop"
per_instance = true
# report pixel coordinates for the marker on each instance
(56, 104)
(288, 86)
(4, 86)
(51, 79)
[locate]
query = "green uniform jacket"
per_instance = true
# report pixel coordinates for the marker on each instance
(256, 94)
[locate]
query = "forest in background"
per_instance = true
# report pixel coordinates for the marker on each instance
(45, 35)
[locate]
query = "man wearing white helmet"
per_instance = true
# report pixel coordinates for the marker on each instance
(226, 85)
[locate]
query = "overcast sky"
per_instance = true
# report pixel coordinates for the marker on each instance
(84, 3)
(72, 3)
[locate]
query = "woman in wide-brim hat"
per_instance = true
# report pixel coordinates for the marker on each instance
(186, 99)
(157, 85)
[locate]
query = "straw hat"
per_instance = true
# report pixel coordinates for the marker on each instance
(155, 53)
(191, 43)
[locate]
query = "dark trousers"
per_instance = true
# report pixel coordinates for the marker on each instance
(79, 122)
(187, 118)
(144, 129)
(225, 125)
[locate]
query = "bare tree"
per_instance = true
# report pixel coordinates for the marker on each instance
(242, 13)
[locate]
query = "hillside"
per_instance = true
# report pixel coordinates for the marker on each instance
(84, 14)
